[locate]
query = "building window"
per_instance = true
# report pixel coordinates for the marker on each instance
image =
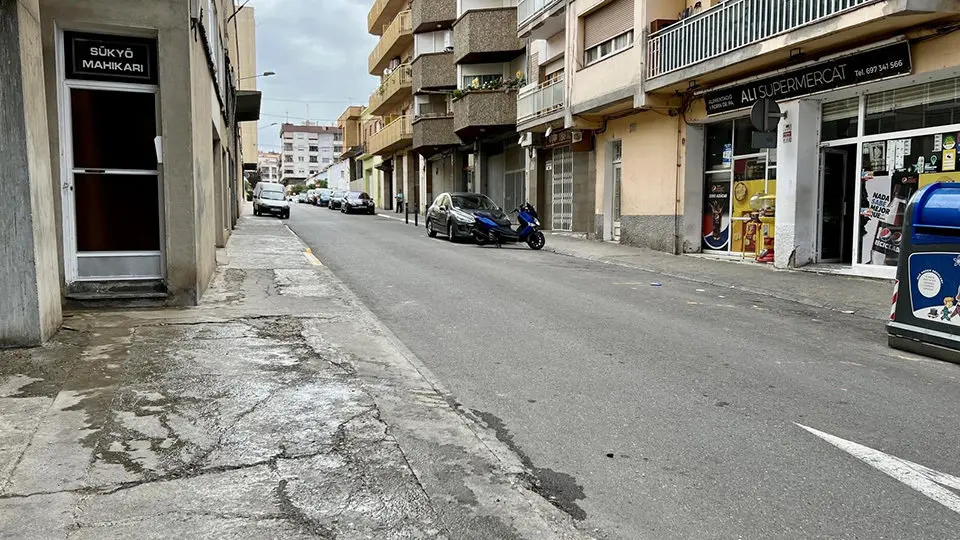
(338, 136)
(314, 148)
(287, 147)
(337, 149)
(300, 136)
(287, 172)
(213, 39)
(313, 159)
(288, 159)
(478, 81)
(607, 48)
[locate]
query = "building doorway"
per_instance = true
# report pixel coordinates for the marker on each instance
(112, 192)
(617, 194)
(836, 204)
(560, 171)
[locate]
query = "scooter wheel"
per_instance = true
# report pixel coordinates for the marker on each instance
(536, 240)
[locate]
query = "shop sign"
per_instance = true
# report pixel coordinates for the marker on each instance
(582, 141)
(867, 66)
(110, 58)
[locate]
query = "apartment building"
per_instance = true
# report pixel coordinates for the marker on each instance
(120, 142)
(392, 100)
(244, 48)
(637, 112)
(370, 164)
(349, 123)
(306, 149)
(268, 163)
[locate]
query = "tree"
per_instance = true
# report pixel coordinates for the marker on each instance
(321, 183)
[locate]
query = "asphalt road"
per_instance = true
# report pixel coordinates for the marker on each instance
(668, 411)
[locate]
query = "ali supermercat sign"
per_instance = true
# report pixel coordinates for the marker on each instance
(867, 66)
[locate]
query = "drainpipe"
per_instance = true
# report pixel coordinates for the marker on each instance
(678, 206)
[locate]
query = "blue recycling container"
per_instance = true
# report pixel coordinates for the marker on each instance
(925, 318)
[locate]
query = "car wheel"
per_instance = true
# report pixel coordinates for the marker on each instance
(430, 232)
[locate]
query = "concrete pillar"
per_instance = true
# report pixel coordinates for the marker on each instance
(693, 182)
(531, 178)
(798, 184)
(29, 265)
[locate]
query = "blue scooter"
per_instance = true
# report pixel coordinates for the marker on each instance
(493, 230)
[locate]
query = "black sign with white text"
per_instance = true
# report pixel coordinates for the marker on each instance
(94, 57)
(867, 66)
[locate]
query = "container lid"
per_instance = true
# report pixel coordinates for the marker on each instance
(938, 205)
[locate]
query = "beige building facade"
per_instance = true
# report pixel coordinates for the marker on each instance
(663, 90)
(126, 118)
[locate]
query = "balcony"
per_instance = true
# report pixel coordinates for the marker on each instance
(432, 133)
(395, 135)
(397, 37)
(540, 19)
(709, 46)
(394, 89)
(481, 112)
(434, 71)
(540, 101)
(433, 14)
(381, 13)
(486, 36)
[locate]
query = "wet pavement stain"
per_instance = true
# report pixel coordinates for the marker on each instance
(561, 489)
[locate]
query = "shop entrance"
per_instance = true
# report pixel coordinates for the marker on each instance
(836, 204)
(112, 189)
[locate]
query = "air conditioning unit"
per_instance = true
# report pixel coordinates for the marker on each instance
(576, 136)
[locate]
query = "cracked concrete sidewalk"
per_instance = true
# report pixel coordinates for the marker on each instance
(280, 407)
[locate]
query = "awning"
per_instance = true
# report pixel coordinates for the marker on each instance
(248, 105)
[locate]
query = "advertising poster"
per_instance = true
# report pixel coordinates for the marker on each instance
(935, 287)
(875, 156)
(874, 211)
(949, 162)
(716, 219)
(933, 178)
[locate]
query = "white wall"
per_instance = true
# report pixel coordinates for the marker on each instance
(467, 5)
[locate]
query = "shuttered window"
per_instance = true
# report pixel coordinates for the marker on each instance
(611, 20)
(922, 106)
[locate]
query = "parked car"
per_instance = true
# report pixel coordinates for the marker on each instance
(268, 198)
(358, 201)
(311, 196)
(336, 199)
(323, 196)
(302, 198)
(452, 214)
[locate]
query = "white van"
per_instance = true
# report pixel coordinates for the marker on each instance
(268, 198)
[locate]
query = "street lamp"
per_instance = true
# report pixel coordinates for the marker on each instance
(271, 125)
(264, 74)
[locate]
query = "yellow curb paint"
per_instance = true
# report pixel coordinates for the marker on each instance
(312, 259)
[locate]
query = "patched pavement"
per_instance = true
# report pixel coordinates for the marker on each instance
(280, 407)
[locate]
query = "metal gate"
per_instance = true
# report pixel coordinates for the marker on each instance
(562, 180)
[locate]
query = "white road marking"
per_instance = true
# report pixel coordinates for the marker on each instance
(927, 481)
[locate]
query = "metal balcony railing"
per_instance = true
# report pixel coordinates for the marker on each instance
(526, 9)
(543, 99)
(397, 130)
(401, 25)
(401, 78)
(734, 24)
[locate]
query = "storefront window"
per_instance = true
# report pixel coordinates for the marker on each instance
(893, 170)
(915, 107)
(840, 119)
(740, 192)
(719, 146)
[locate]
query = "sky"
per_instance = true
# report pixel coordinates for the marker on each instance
(319, 49)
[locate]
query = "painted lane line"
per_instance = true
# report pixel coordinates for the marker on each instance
(927, 481)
